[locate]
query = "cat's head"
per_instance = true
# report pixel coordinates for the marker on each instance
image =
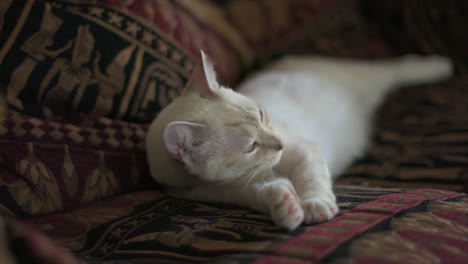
(223, 135)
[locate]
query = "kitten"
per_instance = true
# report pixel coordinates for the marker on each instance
(217, 145)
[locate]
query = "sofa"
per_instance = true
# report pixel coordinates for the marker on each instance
(82, 80)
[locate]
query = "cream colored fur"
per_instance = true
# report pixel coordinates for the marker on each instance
(214, 144)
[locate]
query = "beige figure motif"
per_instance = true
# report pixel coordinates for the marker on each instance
(111, 82)
(72, 74)
(36, 46)
(156, 76)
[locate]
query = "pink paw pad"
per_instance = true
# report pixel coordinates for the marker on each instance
(292, 208)
(297, 217)
(287, 197)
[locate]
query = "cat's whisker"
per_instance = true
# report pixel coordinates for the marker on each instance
(251, 178)
(253, 175)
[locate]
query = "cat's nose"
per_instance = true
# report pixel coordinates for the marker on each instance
(280, 146)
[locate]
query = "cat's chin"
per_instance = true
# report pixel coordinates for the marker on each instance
(277, 158)
(272, 162)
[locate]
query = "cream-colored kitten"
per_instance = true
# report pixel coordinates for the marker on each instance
(214, 144)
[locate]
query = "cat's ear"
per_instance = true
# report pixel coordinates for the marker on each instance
(181, 137)
(203, 79)
(210, 74)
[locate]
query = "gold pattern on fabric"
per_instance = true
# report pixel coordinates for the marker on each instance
(229, 228)
(19, 25)
(71, 72)
(69, 174)
(111, 82)
(101, 183)
(78, 57)
(4, 5)
(134, 77)
(185, 236)
(36, 192)
(37, 49)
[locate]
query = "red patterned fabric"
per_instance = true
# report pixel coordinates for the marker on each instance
(60, 58)
(384, 225)
(424, 26)
(327, 27)
(359, 220)
(50, 166)
(78, 178)
(195, 25)
(420, 140)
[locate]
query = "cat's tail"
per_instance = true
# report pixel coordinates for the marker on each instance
(415, 69)
(370, 81)
(409, 70)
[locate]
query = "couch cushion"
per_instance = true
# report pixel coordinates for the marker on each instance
(115, 59)
(49, 166)
(386, 225)
(421, 140)
(335, 28)
(424, 26)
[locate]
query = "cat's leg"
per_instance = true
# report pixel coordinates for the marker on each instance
(276, 197)
(304, 165)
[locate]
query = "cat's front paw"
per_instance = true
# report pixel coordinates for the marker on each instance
(285, 205)
(319, 208)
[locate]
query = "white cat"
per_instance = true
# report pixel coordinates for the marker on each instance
(214, 144)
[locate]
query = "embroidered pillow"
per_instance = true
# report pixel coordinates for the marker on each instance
(113, 59)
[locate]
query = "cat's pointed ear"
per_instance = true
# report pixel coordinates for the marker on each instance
(210, 74)
(181, 137)
(203, 79)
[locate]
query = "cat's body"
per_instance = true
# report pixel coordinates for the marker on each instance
(330, 102)
(213, 144)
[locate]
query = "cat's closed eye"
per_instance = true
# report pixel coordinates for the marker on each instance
(251, 147)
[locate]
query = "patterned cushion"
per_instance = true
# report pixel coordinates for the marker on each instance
(136, 56)
(114, 59)
(424, 26)
(421, 140)
(301, 26)
(49, 166)
(386, 225)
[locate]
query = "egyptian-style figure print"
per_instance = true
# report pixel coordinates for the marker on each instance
(72, 74)
(112, 81)
(37, 49)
